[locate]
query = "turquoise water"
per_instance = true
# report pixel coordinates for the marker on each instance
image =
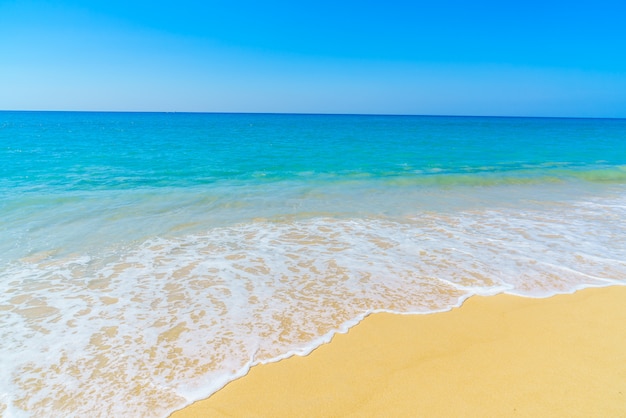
(148, 259)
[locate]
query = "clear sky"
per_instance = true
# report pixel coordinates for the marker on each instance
(480, 57)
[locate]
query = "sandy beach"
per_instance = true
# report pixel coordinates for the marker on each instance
(495, 356)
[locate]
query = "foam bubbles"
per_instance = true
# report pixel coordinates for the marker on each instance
(145, 329)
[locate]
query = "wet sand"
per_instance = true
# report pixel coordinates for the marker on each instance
(563, 356)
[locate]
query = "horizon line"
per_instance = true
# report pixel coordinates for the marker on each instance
(307, 114)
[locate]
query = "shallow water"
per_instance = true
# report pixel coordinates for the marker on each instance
(148, 259)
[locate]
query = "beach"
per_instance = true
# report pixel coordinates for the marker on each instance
(147, 260)
(339, 209)
(494, 356)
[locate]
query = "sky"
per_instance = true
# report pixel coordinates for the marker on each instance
(522, 58)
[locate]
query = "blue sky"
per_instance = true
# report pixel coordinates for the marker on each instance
(446, 57)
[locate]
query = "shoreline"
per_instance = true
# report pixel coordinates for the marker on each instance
(500, 355)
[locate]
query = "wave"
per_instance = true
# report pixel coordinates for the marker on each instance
(147, 327)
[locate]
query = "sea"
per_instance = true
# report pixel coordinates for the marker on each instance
(148, 259)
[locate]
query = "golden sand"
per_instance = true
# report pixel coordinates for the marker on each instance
(495, 356)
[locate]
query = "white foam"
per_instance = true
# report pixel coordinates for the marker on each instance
(145, 329)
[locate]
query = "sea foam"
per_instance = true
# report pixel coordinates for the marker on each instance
(144, 330)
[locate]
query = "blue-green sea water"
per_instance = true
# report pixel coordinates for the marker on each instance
(147, 259)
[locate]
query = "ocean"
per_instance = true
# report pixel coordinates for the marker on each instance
(147, 259)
